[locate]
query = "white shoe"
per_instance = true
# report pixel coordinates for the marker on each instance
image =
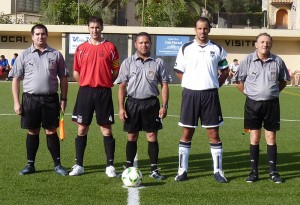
(76, 170)
(110, 171)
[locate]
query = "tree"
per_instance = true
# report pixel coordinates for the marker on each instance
(149, 12)
(242, 6)
(66, 11)
(162, 13)
(175, 13)
(110, 9)
(56, 12)
(4, 19)
(105, 9)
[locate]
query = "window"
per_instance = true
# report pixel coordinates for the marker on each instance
(31, 6)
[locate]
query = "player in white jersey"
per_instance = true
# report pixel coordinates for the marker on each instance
(202, 67)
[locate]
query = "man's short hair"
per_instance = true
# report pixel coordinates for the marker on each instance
(263, 34)
(143, 34)
(95, 19)
(203, 19)
(39, 26)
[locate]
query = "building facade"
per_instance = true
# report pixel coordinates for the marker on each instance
(277, 14)
(281, 14)
(237, 42)
(21, 11)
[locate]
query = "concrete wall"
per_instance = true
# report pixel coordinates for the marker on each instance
(7, 6)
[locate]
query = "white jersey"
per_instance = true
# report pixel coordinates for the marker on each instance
(200, 65)
(234, 67)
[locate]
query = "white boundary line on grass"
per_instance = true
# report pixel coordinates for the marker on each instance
(177, 116)
(133, 195)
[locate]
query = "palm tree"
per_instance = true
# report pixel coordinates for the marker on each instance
(112, 6)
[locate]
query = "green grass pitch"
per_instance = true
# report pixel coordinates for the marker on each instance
(46, 187)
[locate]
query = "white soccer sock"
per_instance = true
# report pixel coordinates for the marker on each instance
(184, 152)
(217, 154)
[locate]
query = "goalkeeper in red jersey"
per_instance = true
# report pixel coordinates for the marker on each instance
(96, 66)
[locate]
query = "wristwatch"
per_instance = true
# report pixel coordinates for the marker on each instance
(165, 106)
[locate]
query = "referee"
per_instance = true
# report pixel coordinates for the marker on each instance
(261, 76)
(202, 67)
(39, 67)
(139, 77)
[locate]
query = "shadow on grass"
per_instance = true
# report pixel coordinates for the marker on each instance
(153, 184)
(235, 165)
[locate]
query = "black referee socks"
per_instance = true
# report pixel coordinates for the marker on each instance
(32, 146)
(54, 148)
(109, 146)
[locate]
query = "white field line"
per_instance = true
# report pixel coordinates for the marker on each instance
(135, 162)
(133, 196)
(177, 116)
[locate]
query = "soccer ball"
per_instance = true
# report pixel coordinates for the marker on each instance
(132, 177)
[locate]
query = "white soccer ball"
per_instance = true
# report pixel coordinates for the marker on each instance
(132, 177)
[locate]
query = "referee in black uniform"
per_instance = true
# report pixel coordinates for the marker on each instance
(39, 66)
(261, 76)
(139, 77)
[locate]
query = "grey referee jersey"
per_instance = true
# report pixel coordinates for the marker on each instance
(261, 78)
(39, 71)
(142, 77)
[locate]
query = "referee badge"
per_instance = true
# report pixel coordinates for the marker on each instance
(212, 53)
(273, 76)
(151, 74)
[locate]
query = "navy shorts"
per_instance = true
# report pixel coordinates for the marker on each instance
(143, 115)
(90, 100)
(40, 110)
(203, 104)
(262, 112)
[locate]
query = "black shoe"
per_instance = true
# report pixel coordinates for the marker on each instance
(61, 170)
(181, 176)
(156, 175)
(219, 176)
(275, 177)
(27, 170)
(253, 176)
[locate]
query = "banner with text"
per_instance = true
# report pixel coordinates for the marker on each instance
(169, 45)
(75, 40)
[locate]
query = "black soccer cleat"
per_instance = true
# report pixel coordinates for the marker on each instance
(275, 177)
(27, 170)
(182, 175)
(156, 175)
(253, 176)
(61, 170)
(219, 176)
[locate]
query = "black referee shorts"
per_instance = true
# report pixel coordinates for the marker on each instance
(203, 104)
(90, 100)
(40, 110)
(262, 112)
(143, 115)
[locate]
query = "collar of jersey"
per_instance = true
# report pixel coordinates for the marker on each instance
(255, 57)
(202, 46)
(33, 49)
(136, 57)
(97, 44)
